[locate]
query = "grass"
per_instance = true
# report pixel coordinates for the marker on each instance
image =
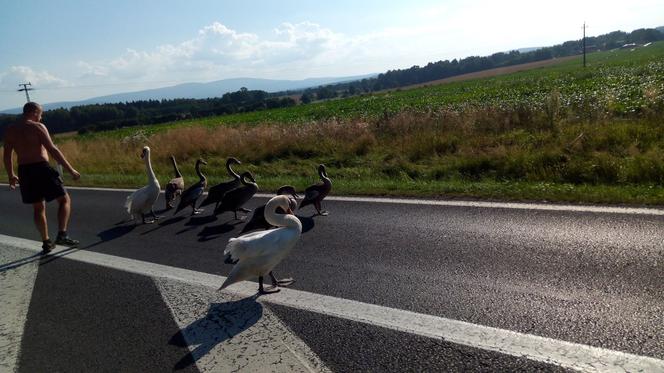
(559, 133)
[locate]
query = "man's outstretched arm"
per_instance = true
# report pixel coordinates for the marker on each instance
(56, 153)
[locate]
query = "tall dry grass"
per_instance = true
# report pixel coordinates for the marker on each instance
(470, 144)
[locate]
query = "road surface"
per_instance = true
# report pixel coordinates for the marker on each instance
(381, 285)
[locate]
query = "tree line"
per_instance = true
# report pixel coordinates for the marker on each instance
(445, 69)
(99, 117)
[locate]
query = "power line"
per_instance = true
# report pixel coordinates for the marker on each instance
(26, 89)
(584, 44)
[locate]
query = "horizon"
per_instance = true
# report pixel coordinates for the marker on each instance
(286, 41)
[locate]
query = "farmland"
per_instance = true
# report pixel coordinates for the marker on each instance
(560, 132)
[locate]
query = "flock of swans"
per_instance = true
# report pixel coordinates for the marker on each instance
(276, 228)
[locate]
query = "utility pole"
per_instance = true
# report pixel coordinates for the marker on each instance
(26, 89)
(584, 44)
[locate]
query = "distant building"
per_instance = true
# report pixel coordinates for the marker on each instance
(629, 46)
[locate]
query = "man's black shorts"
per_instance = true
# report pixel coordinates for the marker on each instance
(39, 181)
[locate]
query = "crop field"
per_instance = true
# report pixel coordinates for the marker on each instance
(559, 133)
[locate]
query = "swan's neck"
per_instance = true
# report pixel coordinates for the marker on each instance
(175, 167)
(323, 176)
(247, 182)
(198, 171)
(231, 172)
(148, 169)
(283, 220)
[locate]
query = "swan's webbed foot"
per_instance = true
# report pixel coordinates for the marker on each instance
(269, 290)
(285, 282)
(323, 213)
(263, 290)
(197, 211)
(282, 282)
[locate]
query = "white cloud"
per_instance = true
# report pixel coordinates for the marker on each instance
(217, 52)
(11, 78)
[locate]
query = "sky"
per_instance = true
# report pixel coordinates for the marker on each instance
(78, 49)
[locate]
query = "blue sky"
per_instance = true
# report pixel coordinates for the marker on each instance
(72, 49)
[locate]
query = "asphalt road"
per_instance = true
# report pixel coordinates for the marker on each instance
(585, 277)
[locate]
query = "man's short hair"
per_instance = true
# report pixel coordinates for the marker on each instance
(31, 107)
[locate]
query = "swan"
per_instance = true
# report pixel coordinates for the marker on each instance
(174, 187)
(234, 199)
(258, 218)
(142, 200)
(190, 196)
(315, 193)
(216, 193)
(257, 253)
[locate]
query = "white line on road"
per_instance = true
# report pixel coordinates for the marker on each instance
(476, 204)
(230, 333)
(566, 354)
(15, 296)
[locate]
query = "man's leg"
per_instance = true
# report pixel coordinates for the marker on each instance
(39, 209)
(63, 212)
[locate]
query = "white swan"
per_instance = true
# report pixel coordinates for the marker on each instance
(257, 253)
(142, 200)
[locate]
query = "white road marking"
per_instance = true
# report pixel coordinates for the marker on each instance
(229, 333)
(18, 272)
(475, 204)
(566, 354)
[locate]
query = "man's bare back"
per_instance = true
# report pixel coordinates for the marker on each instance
(28, 139)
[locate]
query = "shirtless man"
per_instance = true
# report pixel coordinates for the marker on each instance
(39, 182)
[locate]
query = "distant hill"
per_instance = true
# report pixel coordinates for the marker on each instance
(201, 90)
(660, 29)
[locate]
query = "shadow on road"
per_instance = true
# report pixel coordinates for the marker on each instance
(222, 322)
(115, 232)
(195, 221)
(307, 223)
(165, 223)
(104, 236)
(20, 262)
(212, 232)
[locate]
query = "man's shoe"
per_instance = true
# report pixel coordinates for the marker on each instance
(66, 241)
(47, 246)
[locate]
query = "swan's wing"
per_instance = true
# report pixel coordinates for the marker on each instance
(136, 200)
(216, 193)
(237, 197)
(192, 193)
(311, 193)
(223, 188)
(175, 184)
(254, 244)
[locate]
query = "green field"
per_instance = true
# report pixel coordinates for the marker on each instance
(558, 133)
